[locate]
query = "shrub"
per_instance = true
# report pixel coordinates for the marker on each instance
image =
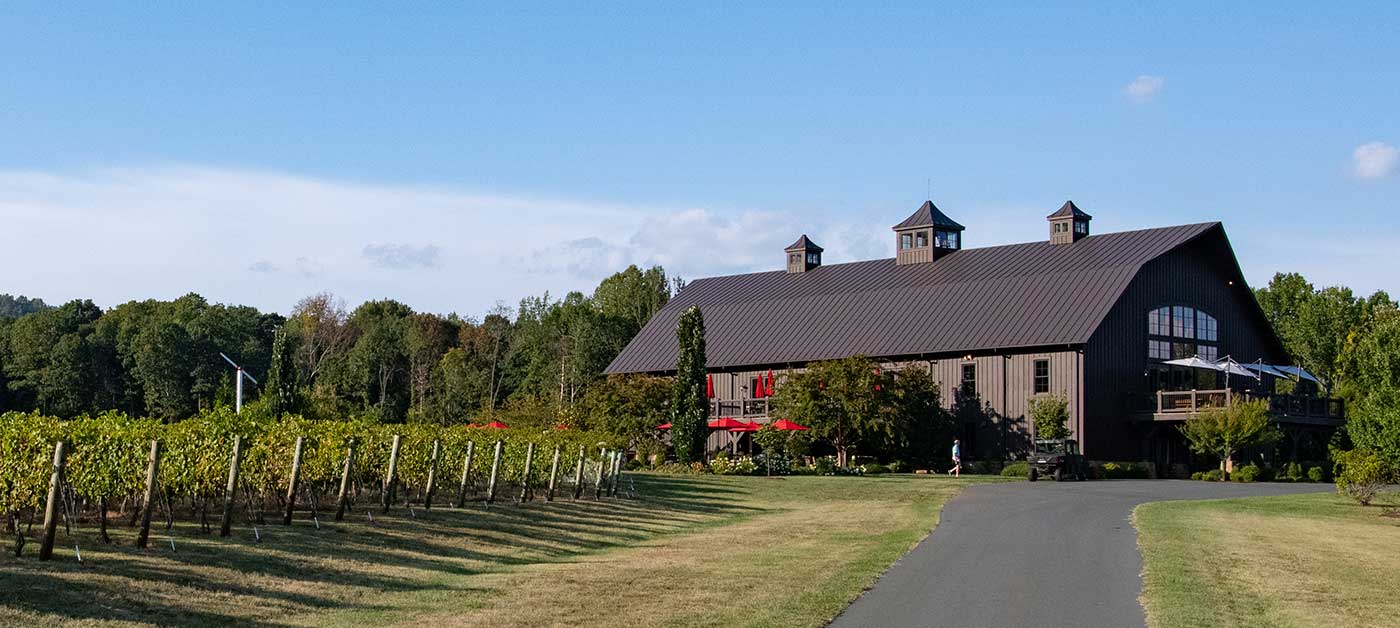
(775, 464)
(899, 466)
(1118, 470)
(874, 468)
(1362, 474)
(1247, 473)
(1198, 475)
(1213, 475)
(635, 465)
(1316, 474)
(824, 466)
(1018, 469)
(1294, 472)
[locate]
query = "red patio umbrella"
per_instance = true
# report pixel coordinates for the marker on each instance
(725, 423)
(710, 386)
(769, 392)
(664, 426)
(747, 426)
(784, 424)
(496, 425)
(561, 426)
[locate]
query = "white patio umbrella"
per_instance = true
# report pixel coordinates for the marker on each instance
(1266, 369)
(1296, 372)
(1195, 362)
(1231, 367)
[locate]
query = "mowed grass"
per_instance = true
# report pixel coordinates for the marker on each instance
(687, 551)
(1295, 560)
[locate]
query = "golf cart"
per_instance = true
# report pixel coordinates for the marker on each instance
(1059, 459)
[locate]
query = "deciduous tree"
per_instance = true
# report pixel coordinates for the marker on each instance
(1220, 432)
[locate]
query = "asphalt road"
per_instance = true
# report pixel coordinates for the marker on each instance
(1041, 554)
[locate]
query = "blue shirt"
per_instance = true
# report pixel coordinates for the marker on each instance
(957, 451)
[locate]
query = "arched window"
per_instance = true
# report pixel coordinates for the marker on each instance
(1179, 331)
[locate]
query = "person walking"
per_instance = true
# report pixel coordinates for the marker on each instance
(956, 471)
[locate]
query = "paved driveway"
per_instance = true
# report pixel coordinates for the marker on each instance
(1041, 554)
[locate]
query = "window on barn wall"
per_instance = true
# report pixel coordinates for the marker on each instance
(906, 241)
(969, 380)
(1176, 332)
(921, 239)
(1041, 375)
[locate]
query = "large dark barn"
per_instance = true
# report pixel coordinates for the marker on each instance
(1090, 317)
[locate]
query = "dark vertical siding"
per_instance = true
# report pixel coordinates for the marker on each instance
(1197, 274)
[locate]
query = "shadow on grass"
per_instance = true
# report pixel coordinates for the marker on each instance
(213, 581)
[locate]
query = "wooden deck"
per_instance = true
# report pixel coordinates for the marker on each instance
(1185, 404)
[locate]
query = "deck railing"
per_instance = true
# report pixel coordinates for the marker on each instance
(737, 408)
(1195, 401)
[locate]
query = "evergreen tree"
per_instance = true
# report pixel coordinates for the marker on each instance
(690, 409)
(283, 385)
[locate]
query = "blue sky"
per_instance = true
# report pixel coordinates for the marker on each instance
(453, 156)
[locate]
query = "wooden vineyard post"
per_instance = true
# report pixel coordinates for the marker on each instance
(466, 474)
(495, 469)
(614, 473)
(432, 477)
(390, 479)
(578, 473)
(525, 477)
(226, 522)
(553, 476)
(342, 499)
(60, 457)
(598, 480)
(292, 484)
(148, 504)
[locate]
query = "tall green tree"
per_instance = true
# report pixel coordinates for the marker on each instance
(632, 296)
(17, 306)
(1313, 324)
(379, 357)
(690, 408)
(842, 401)
(283, 385)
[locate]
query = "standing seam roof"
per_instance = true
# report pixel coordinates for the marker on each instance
(1020, 295)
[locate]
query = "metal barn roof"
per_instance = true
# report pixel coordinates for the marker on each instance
(1019, 295)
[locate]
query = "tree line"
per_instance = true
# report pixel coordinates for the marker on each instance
(1352, 345)
(535, 365)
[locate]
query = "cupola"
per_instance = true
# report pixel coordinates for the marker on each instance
(1068, 224)
(925, 236)
(803, 255)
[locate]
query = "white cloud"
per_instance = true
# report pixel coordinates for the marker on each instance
(402, 256)
(268, 239)
(1144, 88)
(1375, 160)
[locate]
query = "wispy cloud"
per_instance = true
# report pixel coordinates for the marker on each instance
(268, 239)
(1375, 160)
(1144, 88)
(402, 256)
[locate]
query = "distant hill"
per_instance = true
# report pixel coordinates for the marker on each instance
(15, 307)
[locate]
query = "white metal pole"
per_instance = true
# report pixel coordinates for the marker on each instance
(238, 391)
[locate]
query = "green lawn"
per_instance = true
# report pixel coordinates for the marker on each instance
(690, 551)
(1296, 560)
